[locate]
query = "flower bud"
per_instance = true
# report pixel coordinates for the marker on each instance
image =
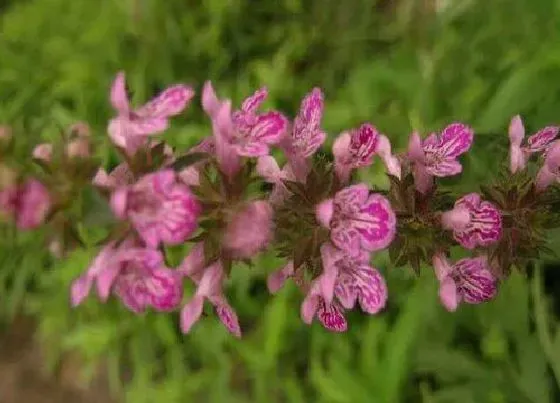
(250, 230)
(78, 148)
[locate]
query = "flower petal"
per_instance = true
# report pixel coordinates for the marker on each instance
(169, 103)
(476, 282)
(372, 289)
(227, 315)
(448, 294)
(252, 103)
(276, 280)
(80, 289)
(165, 289)
(118, 96)
(516, 131)
(376, 223)
(455, 140)
(191, 313)
(485, 225)
(540, 141)
(445, 167)
(332, 317)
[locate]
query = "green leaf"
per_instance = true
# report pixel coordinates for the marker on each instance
(187, 160)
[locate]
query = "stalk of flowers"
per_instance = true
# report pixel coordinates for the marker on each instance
(325, 225)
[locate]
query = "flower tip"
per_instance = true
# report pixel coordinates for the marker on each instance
(324, 212)
(415, 151)
(191, 313)
(118, 202)
(516, 130)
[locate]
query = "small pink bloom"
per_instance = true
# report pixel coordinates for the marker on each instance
(130, 128)
(137, 276)
(209, 287)
(474, 222)
(28, 204)
(43, 152)
(254, 132)
(144, 281)
(437, 155)
(161, 209)
(468, 280)
(223, 130)
(537, 143)
(78, 148)
(268, 168)
(550, 171)
(306, 136)
(358, 220)
(356, 148)
(246, 131)
(250, 230)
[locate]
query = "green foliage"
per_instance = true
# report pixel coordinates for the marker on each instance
(401, 65)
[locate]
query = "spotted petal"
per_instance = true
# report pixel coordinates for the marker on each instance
(227, 315)
(332, 317)
(252, 103)
(475, 283)
(485, 226)
(376, 223)
(169, 103)
(371, 289)
(541, 140)
(455, 140)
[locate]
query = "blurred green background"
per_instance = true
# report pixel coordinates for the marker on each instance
(401, 64)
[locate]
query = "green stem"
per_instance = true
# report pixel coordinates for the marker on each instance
(541, 320)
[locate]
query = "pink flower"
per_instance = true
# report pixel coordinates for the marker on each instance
(161, 209)
(359, 282)
(130, 128)
(356, 148)
(78, 148)
(538, 142)
(28, 204)
(468, 280)
(306, 136)
(437, 155)
(209, 287)
(246, 132)
(358, 220)
(268, 168)
(550, 171)
(223, 130)
(136, 275)
(43, 152)
(250, 230)
(474, 222)
(255, 132)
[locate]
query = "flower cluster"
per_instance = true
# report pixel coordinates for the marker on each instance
(316, 216)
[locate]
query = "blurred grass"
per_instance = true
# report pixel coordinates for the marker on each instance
(402, 65)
